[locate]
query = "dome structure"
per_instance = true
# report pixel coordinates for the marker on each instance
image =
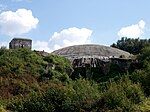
(91, 60)
(91, 51)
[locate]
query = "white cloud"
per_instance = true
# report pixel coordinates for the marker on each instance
(70, 36)
(133, 31)
(64, 38)
(17, 23)
(4, 44)
(41, 45)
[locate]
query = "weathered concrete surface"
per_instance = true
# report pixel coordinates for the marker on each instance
(20, 43)
(90, 51)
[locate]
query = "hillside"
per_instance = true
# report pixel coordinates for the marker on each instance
(31, 82)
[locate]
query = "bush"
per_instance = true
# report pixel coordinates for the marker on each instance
(75, 96)
(120, 95)
(143, 106)
(82, 94)
(61, 64)
(2, 109)
(19, 62)
(35, 102)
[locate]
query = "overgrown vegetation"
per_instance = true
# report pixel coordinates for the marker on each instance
(30, 82)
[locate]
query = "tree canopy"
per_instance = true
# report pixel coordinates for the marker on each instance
(131, 45)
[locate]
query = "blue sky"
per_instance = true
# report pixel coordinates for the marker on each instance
(53, 24)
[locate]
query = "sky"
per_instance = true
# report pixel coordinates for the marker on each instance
(54, 24)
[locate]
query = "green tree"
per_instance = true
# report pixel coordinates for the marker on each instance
(131, 45)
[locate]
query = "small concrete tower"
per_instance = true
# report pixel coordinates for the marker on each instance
(20, 43)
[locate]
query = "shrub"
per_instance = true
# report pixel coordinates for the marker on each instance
(2, 109)
(82, 94)
(142, 77)
(121, 94)
(34, 102)
(75, 96)
(20, 61)
(143, 106)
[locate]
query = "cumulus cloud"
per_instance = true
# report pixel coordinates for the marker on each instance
(41, 45)
(133, 31)
(64, 38)
(70, 36)
(16, 23)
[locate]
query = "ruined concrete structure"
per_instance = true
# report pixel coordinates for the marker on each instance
(20, 43)
(88, 58)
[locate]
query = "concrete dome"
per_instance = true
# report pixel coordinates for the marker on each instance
(90, 50)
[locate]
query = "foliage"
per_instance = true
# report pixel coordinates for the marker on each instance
(72, 97)
(62, 64)
(19, 61)
(144, 56)
(142, 75)
(2, 109)
(131, 45)
(143, 106)
(120, 95)
(83, 95)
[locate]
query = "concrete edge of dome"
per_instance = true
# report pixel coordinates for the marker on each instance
(121, 52)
